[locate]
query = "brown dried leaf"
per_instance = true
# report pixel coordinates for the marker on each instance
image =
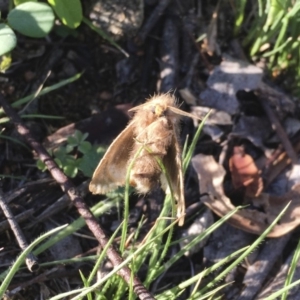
(244, 172)
(211, 175)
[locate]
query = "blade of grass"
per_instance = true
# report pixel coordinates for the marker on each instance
(20, 260)
(44, 91)
(190, 152)
(283, 290)
(126, 200)
(211, 294)
(292, 270)
(5, 137)
(32, 116)
(13, 177)
(98, 209)
(41, 116)
(85, 291)
(195, 241)
(245, 254)
(240, 13)
(104, 35)
(171, 293)
(102, 255)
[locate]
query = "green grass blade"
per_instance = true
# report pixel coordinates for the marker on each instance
(126, 200)
(102, 255)
(283, 290)
(195, 241)
(98, 209)
(192, 147)
(171, 293)
(245, 254)
(5, 137)
(104, 35)
(20, 260)
(85, 291)
(44, 91)
(291, 271)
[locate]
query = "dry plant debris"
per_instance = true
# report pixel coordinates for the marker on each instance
(247, 153)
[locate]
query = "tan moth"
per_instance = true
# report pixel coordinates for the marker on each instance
(155, 128)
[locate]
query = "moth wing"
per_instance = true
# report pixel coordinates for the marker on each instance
(112, 169)
(173, 166)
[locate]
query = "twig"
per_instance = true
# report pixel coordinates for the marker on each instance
(188, 44)
(69, 188)
(58, 205)
(28, 187)
(152, 20)
(31, 260)
(191, 71)
(40, 278)
(280, 131)
(4, 225)
(169, 56)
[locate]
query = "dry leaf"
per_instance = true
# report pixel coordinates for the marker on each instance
(244, 172)
(211, 176)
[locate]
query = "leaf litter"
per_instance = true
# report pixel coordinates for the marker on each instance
(236, 92)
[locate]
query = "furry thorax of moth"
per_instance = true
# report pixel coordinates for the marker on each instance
(149, 141)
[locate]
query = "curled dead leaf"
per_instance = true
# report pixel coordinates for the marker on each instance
(244, 172)
(211, 176)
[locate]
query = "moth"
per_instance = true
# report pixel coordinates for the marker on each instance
(150, 137)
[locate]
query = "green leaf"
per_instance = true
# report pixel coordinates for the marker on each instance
(58, 162)
(78, 136)
(69, 11)
(84, 136)
(90, 159)
(18, 2)
(70, 170)
(69, 148)
(72, 141)
(41, 166)
(8, 39)
(32, 19)
(85, 147)
(61, 154)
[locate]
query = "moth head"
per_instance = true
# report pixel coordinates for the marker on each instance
(159, 110)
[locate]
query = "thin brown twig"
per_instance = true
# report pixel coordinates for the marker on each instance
(4, 225)
(169, 53)
(151, 21)
(69, 188)
(40, 278)
(31, 261)
(58, 205)
(280, 131)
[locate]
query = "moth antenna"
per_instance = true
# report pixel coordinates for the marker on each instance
(136, 107)
(181, 112)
